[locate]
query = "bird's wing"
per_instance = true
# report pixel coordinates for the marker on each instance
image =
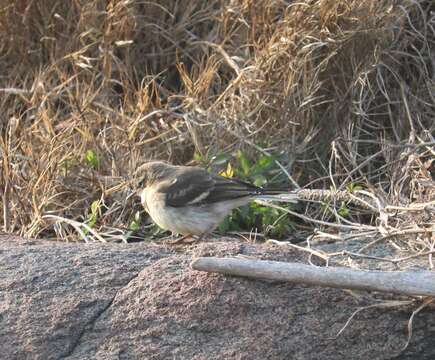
(188, 186)
(226, 189)
(195, 186)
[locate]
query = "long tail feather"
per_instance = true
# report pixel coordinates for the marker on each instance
(286, 197)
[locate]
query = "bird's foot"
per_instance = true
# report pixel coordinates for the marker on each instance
(186, 239)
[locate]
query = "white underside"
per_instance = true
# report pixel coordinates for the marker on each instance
(187, 220)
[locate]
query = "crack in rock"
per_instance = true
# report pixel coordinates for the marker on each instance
(91, 323)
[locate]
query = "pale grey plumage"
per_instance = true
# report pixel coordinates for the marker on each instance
(191, 201)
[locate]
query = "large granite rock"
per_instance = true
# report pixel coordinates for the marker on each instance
(142, 301)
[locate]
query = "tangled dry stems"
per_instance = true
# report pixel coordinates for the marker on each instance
(345, 89)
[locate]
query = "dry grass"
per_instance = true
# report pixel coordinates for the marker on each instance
(92, 89)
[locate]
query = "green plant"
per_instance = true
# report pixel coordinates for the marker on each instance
(139, 230)
(263, 172)
(135, 222)
(91, 159)
(93, 215)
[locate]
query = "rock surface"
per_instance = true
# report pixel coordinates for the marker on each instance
(142, 301)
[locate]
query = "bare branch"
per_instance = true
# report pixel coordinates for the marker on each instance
(397, 282)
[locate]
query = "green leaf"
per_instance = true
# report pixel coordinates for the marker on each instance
(93, 216)
(245, 164)
(220, 159)
(352, 187)
(95, 206)
(265, 163)
(343, 211)
(135, 222)
(224, 226)
(261, 209)
(244, 211)
(259, 180)
(198, 157)
(91, 158)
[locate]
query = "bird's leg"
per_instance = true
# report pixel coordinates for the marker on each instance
(197, 239)
(188, 239)
(193, 239)
(184, 240)
(178, 241)
(202, 236)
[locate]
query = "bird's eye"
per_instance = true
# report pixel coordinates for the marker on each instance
(142, 181)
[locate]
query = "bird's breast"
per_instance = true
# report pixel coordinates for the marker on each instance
(186, 220)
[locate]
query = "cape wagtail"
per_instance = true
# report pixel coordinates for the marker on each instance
(191, 201)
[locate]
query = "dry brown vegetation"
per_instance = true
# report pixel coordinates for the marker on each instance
(92, 89)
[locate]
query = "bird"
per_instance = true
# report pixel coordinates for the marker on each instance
(190, 201)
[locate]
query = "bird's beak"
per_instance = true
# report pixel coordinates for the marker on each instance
(131, 193)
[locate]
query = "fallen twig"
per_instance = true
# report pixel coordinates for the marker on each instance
(398, 282)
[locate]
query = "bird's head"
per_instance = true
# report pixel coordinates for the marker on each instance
(146, 175)
(149, 172)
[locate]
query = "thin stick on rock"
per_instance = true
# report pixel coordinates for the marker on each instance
(398, 282)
